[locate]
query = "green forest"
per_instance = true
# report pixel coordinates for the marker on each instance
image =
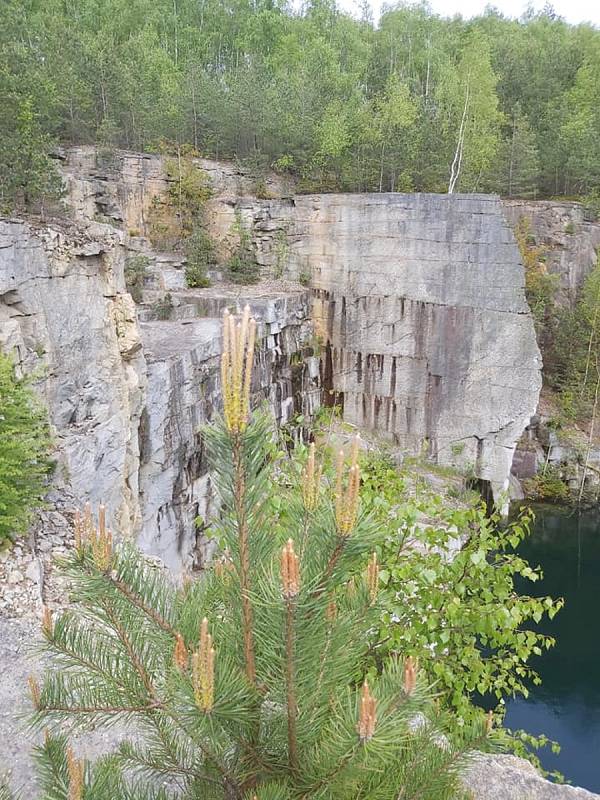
(416, 103)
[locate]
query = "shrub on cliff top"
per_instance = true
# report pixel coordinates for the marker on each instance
(249, 683)
(24, 446)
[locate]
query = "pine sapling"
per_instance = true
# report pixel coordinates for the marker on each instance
(252, 681)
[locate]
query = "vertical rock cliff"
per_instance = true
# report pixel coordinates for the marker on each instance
(68, 320)
(415, 304)
(420, 302)
(568, 236)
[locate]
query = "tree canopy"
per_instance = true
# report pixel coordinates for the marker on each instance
(419, 102)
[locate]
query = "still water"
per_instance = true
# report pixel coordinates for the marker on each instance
(566, 707)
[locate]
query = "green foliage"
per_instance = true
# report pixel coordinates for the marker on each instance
(540, 285)
(24, 446)
(27, 174)
(460, 614)
(317, 94)
(580, 125)
(470, 117)
(136, 269)
(189, 189)
(178, 222)
(547, 486)
(242, 266)
(572, 353)
(200, 256)
(281, 252)
(282, 718)
(163, 307)
(5, 790)
(518, 158)
(261, 190)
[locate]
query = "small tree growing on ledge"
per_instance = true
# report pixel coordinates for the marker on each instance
(248, 683)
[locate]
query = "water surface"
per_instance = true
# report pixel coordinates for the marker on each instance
(566, 707)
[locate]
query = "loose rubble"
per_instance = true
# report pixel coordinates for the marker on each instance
(28, 576)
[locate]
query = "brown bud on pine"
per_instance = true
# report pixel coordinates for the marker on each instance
(75, 772)
(311, 481)
(367, 718)
(203, 670)
(102, 544)
(373, 577)
(339, 485)
(47, 625)
(88, 522)
(410, 675)
(236, 369)
(224, 567)
(331, 611)
(346, 502)
(180, 653)
(290, 571)
(35, 691)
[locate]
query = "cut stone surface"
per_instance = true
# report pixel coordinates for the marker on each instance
(505, 777)
(420, 300)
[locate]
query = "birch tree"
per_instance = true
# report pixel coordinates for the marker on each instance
(470, 117)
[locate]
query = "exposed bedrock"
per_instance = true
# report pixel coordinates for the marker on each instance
(416, 300)
(567, 236)
(420, 301)
(184, 392)
(67, 319)
(127, 398)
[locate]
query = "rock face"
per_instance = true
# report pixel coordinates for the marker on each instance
(420, 302)
(127, 398)
(569, 239)
(184, 392)
(65, 314)
(505, 777)
(416, 305)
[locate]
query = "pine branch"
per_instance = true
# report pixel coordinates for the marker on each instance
(228, 777)
(443, 769)
(331, 565)
(292, 705)
(126, 642)
(157, 766)
(341, 765)
(242, 527)
(57, 641)
(153, 706)
(5, 792)
(137, 601)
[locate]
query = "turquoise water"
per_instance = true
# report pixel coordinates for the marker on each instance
(566, 707)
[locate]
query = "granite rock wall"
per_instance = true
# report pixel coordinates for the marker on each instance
(419, 300)
(416, 301)
(127, 397)
(67, 319)
(568, 237)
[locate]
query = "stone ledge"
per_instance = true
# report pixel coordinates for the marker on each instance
(506, 777)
